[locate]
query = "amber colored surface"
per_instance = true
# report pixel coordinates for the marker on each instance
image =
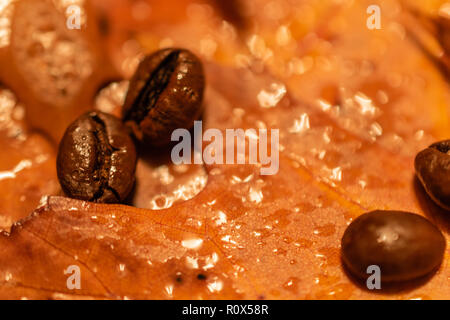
(54, 71)
(353, 106)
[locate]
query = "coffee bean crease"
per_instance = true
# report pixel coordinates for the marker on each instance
(155, 85)
(165, 94)
(96, 159)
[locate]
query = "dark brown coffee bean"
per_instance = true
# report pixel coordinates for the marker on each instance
(403, 245)
(165, 94)
(433, 170)
(97, 159)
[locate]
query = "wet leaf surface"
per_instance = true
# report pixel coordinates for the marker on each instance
(55, 71)
(353, 107)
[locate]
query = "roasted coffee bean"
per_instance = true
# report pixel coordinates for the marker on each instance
(97, 159)
(165, 94)
(433, 170)
(403, 245)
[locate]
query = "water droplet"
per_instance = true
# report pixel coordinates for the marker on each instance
(192, 243)
(270, 98)
(215, 286)
(220, 218)
(192, 262)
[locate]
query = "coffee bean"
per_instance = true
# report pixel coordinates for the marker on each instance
(165, 94)
(433, 170)
(97, 159)
(403, 245)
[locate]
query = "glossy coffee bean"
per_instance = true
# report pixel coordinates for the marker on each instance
(404, 245)
(165, 94)
(433, 170)
(97, 159)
